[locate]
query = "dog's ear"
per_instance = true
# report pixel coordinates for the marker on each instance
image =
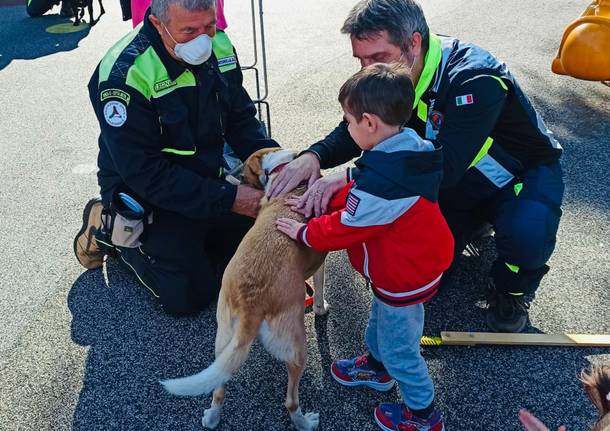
(253, 167)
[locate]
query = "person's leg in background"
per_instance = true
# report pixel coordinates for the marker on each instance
(36, 8)
(223, 237)
(527, 215)
(467, 222)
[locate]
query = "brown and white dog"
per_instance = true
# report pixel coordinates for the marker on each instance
(262, 295)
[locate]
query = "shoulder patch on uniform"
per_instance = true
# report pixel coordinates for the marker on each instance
(115, 93)
(115, 113)
(226, 61)
(466, 99)
(163, 85)
(352, 204)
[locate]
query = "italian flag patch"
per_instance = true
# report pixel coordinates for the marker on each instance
(464, 100)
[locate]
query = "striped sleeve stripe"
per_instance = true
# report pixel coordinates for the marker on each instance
(410, 293)
(429, 294)
(304, 237)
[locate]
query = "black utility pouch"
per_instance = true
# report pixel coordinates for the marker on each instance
(128, 225)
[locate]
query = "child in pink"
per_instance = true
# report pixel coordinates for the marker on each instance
(139, 7)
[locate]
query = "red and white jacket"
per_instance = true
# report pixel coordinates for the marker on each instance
(398, 240)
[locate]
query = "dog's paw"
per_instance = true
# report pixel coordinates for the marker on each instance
(321, 309)
(211, 417)
(305, 422)
(313, 419)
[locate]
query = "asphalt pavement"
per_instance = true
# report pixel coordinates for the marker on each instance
(84, 350)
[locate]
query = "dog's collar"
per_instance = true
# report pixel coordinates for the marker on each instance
(275, 170)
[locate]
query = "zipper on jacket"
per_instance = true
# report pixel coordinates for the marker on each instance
(365, 266)
(197, 85)
(222, 130)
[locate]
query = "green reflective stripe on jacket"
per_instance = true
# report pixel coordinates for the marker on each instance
(179, 152)
(114, 52)
(513, 268)
(422, 111)
(431, 62)
(502, 83)
(223, 50)
(482, 152)
(149, 76)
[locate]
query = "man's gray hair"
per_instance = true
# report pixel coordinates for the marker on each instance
(160, 8)
(400, 18)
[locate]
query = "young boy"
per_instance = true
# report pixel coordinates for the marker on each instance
(388, 219)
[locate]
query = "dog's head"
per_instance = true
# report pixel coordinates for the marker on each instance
(262, 166)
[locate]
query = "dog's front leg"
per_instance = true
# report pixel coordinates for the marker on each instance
(211, 416)
(320, 306)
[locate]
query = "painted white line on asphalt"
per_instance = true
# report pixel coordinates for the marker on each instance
(84, 169)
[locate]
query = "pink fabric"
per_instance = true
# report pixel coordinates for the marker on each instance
(138, 10)
(221, 22)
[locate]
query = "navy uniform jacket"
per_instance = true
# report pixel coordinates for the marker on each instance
(468, 103)
(163, 125)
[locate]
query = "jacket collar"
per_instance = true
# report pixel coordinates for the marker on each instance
(431, 62)
(406, 140)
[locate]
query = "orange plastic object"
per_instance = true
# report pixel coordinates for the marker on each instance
(584, 52)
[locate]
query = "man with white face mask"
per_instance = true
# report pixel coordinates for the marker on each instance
(501, 163)
(167, 97)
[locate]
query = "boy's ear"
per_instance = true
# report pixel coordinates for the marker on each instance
(371, 122)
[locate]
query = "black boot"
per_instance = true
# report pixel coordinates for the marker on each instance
(506, 312)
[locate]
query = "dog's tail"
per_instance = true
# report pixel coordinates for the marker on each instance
(226, 363)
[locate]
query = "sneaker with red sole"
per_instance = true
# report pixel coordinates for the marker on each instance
(358, 372)
(397, 417)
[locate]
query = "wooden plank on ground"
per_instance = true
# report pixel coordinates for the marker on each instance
(473, 338)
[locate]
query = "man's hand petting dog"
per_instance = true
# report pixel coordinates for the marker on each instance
(303, 168)
(315, 200)
(289, 226)
(247, 201)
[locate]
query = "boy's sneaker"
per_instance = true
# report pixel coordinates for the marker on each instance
(358, 372)
(397, 417)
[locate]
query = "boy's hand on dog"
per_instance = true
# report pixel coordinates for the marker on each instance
(289, 226)
(532, 423)
(304, 167)
(315, 200)
(247, 200)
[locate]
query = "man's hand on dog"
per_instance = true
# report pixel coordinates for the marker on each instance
(247, 201)
(315, 200)
(289, 226)
(303, 168)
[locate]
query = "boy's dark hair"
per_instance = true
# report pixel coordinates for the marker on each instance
(385, 90)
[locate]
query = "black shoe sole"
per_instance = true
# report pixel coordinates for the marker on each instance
(82, 230)
(498, 326)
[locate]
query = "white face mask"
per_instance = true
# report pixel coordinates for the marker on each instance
(194, 52)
